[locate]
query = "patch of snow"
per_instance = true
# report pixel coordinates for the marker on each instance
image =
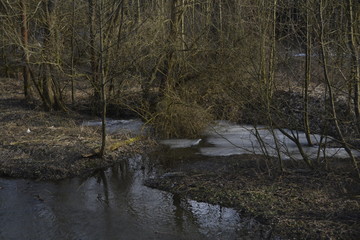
(226, 139)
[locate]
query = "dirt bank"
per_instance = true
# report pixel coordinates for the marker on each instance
(298, 204)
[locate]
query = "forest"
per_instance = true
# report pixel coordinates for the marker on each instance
(181, 65)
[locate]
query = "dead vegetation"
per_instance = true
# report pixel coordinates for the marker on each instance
(52, 145)
(175, 117)
(298, 204)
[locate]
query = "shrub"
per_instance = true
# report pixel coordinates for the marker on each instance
(175, 117)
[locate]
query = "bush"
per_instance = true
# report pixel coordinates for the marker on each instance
(177, 118)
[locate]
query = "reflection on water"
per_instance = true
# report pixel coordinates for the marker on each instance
(223, 218)
(113, 204)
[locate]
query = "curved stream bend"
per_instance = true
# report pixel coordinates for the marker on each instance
(113, 204)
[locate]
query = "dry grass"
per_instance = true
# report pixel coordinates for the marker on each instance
(51, 145)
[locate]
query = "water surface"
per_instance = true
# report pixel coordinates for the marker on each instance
(113, 204)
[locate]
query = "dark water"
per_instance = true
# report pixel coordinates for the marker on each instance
(113, 204)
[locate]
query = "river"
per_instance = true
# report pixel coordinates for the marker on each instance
(114, 203)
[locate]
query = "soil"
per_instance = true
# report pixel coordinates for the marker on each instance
(52, 145)
(296, 204)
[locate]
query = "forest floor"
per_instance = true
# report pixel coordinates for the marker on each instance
(52, 145)
(297, 204)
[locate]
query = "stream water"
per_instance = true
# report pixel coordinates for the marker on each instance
(114, 203)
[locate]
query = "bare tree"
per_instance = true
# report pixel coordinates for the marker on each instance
(325, 64)
(354, 50)
(25, 47)
(307, 76)
(102, 79)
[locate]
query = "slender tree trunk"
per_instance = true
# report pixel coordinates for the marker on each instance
(102, 80)
(183, 44)
(307, 74)
(72, 52)
(330, 88)
(50, 86)
(263, 21)
(354, 60)
(93, 58)
(139, 11)
(47, 88)
(272, 58)
(221, 21)
(166, 82)
(208, 11)
(120, 27)
(25, 47)
(270, 80)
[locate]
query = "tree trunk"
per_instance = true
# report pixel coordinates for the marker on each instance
(333, 113)
(138, 11)
(102, 80)
(93, 58)
(272, 57)
(166, 82)
(51, 88)
(307, 75)
(269, 81)
(183, 43)
(25, 47)
(355, 68)
(72, 52)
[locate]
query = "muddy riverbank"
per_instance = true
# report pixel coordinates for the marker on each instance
(297, 204)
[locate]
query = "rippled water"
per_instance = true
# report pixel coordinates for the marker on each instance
(113, 204)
